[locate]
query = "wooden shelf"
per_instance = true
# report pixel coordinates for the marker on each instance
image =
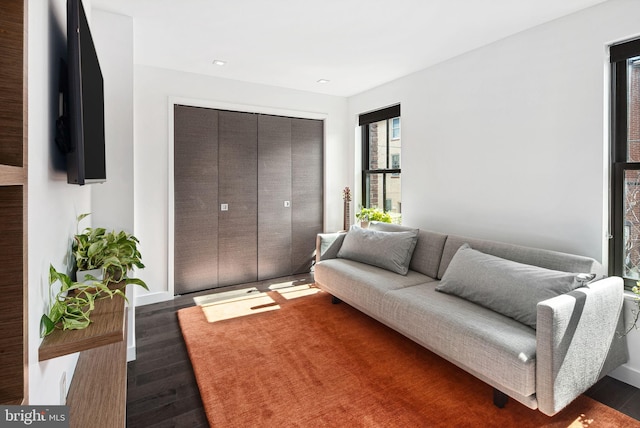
(98, 392)
(107, 327)
(97, 397)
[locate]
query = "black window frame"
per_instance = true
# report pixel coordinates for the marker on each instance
(619, 54)
(364, 121)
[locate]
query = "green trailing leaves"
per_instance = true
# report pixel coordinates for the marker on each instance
(136, 281)
(373, 214)
(46, 326)
(71, 307)
(116, 253)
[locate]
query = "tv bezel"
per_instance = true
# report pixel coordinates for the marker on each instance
(78, 36)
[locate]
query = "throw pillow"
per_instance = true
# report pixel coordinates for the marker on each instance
(510, 288)
(387, 250)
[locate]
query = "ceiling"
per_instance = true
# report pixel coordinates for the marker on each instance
(355, 44)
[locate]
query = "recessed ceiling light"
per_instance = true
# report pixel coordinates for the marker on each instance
(323, 81)
(219, 62)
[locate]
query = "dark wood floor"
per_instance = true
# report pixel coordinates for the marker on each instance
(162, 391)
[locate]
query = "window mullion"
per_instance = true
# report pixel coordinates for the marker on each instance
(365, 164)
(617, 213)
(387, 145)
(619, 113)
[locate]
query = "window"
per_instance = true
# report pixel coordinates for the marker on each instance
(381, 150)
(395, 161)
(624, 247)
(395, 128)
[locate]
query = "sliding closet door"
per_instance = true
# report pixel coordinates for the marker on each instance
(196, 198)
(237, 198)
(274, 196)
(248, 196)
(307, 137)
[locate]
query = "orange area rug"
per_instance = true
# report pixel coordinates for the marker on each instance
(300, 361)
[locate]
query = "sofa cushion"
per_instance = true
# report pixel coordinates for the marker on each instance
(388, 250)
(495, 348)
(533, 256)
(510, 288)
(428, 253)
(361, 285)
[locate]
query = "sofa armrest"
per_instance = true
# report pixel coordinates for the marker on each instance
(579, 340)
(328, 245)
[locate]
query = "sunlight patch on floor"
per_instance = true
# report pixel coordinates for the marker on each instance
(281, 285)
(581, 422)
(235, 303)
(298, 291)
(236, 307)
(225, 305)
(225, 296)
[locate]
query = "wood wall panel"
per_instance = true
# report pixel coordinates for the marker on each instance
(274, 188)
(91, 403)
(307, 152)
(97, 398)
(195, 199)
(13, 203)
(11, 82)
(12, 292)
(238, 188)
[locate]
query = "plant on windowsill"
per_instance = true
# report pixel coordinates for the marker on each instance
(365, 215)
(113, 254)
(72, 305)
(636, 312)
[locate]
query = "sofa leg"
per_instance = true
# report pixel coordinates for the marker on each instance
(335, 300)
(499, 398)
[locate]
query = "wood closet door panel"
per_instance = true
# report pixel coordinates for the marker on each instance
(195, 199)
(238, 188)
(274, 188)
(307, 165)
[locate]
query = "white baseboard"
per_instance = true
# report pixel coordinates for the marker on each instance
(131, 353)
(150, 298)
(627, 374)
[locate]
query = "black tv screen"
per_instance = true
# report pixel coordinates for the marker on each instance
(86, 157)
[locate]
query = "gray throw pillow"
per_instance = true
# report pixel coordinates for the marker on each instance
(387, 250)
(510, 288)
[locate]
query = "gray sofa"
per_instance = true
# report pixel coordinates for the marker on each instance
(568, 343)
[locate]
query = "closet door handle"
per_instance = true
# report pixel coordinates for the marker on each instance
(287, 204)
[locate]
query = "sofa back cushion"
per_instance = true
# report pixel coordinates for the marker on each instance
(532, 256)
(428, 251)
(387, 250)
(507, 287)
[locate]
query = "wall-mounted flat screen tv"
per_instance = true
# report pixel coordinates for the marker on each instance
(86, 156)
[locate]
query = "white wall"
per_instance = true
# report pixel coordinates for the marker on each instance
(154, 88)
(112, 202)
(509, 142)
(52, 203)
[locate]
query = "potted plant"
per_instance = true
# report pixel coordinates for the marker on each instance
(73, 303)
(106, 255)
(365, 215)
